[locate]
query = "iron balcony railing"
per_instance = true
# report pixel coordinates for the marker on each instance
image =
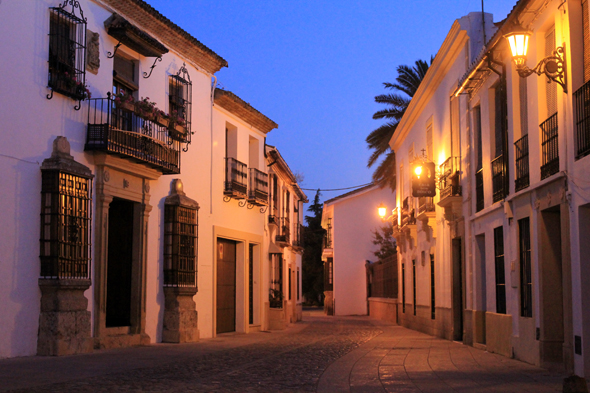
(408, 217)
(521, 148)
(235, 179)
(284, 231)
(449, 183)
(582, 114)
(273, 220)
(328, 235)
(257, 187)
(498, 178)
(122, 132)
(479, 201)
(425, 205)
(549, 147)
(298, 236)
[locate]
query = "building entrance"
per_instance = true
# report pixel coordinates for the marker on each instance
(120, 263)
(226, 286)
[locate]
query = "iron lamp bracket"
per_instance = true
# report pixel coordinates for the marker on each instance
(553, 67)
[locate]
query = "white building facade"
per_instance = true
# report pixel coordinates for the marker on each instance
(121, 225)
(350, 220)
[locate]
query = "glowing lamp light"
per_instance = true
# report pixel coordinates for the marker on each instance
(418, 171)
(382, 209)
(519, 45)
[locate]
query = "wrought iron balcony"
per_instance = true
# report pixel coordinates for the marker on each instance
(298, 236)
(273, 220)
(284, 231)
(408, 217)
(549, 147)
(258, 187)
(521, 148)
(498, 178)
(122, 132)
(425, 205)
(479, 201)
(582, 114)
(449, 180)
(235, 179)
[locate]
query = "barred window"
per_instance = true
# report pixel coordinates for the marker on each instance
(526, 277)
(500, 276)
(180, 246)
(67, 51)
(180, 100)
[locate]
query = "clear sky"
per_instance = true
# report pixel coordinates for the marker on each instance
(314, 67)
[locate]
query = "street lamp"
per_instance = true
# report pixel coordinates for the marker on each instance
(552, 66)
(382, 209)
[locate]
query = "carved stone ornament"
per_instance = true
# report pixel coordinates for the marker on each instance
(106, 176)
(125, 183)
(92, 52)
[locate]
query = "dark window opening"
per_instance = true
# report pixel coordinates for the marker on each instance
(526, 279)
(500, 276)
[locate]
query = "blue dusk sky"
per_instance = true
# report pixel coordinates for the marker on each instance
(314, 67)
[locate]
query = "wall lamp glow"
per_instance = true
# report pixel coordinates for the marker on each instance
(552, 66)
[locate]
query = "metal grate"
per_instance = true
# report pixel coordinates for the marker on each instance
(284, 231)
(582, 113)
(499, 265)
(180, 101)
(521, 148)
(382, 276)
(180, 246)
(329, 275)
(498, 178)
(67, 51)
(479, 195)
(65, 225)
(526, 278)
(298, 235)
(257, 187)
(235, 178)
(121, 131)
(550, 148)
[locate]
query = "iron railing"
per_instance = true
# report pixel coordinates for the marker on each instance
(122, 132)
(328, 236)
(284, 231)
(235, 178)
(257, 187)
(449, 183)
(382, 278)
(521, 148)
(273, 220)
(298, 236)
(582, 114)
(498, 178)
(549, 147)
(479, 201)
(425, 205)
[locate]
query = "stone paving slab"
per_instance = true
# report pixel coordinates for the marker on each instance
(323, 354)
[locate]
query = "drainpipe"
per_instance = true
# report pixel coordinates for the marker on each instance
(211, 166)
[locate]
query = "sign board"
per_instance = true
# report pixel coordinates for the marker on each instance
(424, 185)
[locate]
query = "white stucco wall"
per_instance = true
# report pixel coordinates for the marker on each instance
(353, 219)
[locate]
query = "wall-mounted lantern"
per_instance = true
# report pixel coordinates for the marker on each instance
(423, 178)
(552, 66)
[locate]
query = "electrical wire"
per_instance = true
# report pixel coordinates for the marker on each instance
(336, 189)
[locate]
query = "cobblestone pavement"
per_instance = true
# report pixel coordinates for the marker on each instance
(324, 354)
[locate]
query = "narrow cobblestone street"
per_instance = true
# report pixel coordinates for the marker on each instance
(324, 354)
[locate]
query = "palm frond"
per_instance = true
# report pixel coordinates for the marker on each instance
(385, 173)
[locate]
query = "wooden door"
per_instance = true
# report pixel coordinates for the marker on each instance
(226, 286)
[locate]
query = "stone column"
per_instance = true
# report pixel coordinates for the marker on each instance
(64, 321)
(180, 315)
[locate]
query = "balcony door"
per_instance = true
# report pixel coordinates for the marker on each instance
(226, 286)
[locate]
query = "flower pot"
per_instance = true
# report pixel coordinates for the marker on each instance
(128, 106)
(162, 120)
(178, 132)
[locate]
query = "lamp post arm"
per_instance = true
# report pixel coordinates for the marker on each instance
(552, 66)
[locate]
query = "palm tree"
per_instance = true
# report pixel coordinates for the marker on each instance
(407, 81)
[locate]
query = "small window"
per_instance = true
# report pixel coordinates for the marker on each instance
(67, 52)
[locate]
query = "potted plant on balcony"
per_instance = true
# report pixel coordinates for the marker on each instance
(146, 109)
(162, 118)
(124, 100)
(177, 126)
(73, 87)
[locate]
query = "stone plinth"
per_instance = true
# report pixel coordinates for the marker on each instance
(64, 321)
(180, 315)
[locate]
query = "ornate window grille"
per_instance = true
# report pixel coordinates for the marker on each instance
(521, 148)
(66, 215)
(180, 100)
(181, 230)
(549, 147)
(67, 51)
(236, 177)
